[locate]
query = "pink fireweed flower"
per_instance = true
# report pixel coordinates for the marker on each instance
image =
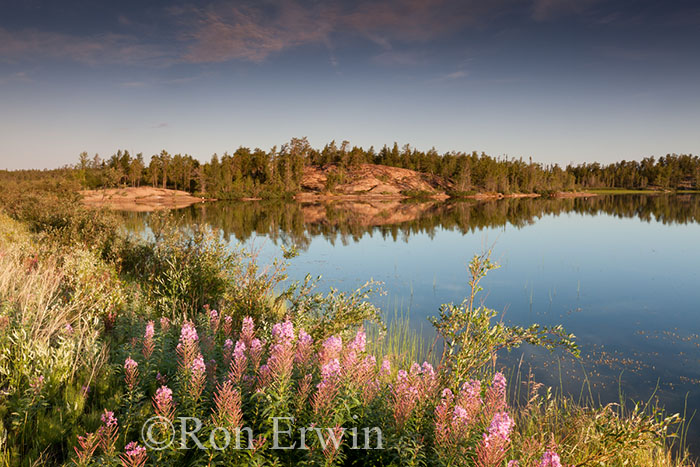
(238, 363)
(304, 344)
(281, 358)
(188, 347)
(385, 369)
(405, 397)
(68, 329)
(148, 344)
(227, 407)
(247, 330)
(214, 320)
(513, 464)
(330, 370)
(228, 325)
(283, 332)
(500, 427)
(164, 324)
(492, 449)
(443, 424)
(360, 342)
(134, 455)
(256, 351)
(550, 459)
(330, 349)
(188, 333)
(469, 398)
(131, 372)
(198, 370)
(496, 395)
(429, 382)
(37, 384)
(163, 402)
(108, 431)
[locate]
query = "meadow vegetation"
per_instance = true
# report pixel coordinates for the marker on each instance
(100, 331)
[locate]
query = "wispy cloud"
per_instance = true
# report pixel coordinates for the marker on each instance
(27, 44)
(226, 32)
(254, 31)
(456, 75)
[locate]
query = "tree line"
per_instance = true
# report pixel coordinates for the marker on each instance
(279, 171)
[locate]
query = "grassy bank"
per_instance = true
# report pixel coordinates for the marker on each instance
(100, 332)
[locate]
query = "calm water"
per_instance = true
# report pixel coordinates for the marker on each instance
(621, 272)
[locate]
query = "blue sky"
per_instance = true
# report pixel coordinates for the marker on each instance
(556, 80)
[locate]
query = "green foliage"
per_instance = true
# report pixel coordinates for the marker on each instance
(471, 341)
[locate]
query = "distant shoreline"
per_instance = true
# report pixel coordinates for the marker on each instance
(147, 199)
(139, 199)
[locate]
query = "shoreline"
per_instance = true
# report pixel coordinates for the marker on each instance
(147, 199)
(140, 199)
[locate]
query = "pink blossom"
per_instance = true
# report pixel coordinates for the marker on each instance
(108, 418)
(148, 344)
(134, 455)
(405, 396)
(37, 384)
(330, 370)
(108, 431)
(500, 428)
(385, 369)
(163, 402)
(248, 330)
(164, 324)
(228, 325)
(131, 372)
(331, 349)
(303, 352)
(188, 347)
(256, 351)
(188, 334)
(513, 464)
(492, 449)
(360, 341)
(550, 459)
(283, 332)
(214, 319)
(150, 332)
(239, 362)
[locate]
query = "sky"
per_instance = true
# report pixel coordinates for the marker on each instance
(556, 80)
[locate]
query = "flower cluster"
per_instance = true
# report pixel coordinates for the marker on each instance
(470, 420)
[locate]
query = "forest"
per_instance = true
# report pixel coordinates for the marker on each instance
(278, 172)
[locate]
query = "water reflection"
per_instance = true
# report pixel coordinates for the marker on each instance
(344, 221)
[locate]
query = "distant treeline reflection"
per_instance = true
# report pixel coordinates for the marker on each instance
(297, 223)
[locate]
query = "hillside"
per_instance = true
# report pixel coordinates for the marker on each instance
(369, 180)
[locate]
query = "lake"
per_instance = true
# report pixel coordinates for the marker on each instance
(621, 272)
